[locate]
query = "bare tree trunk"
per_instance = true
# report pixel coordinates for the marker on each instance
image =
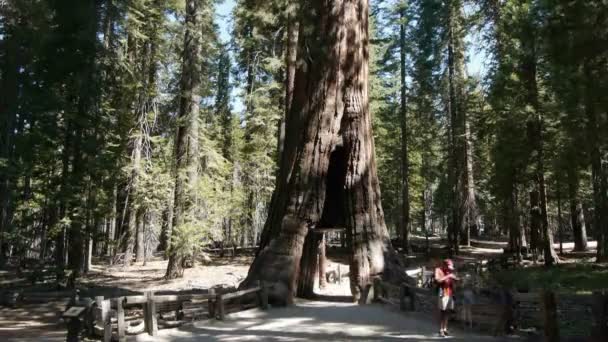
(535, 133)
(140, 246)
(167, 222)
(405, 191)
(560, 225)
(535, 224)
(471, 201)
(463, 192)
(8, 106)
(577, 215)
(186, 173)
(109, 247)
(599, 171)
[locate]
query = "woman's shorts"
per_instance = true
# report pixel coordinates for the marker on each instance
(446, 303)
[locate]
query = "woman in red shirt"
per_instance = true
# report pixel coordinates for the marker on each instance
(444, 277)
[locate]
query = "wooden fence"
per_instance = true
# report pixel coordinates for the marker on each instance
(551, 313)
(121, 316)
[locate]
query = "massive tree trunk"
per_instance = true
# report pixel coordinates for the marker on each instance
(186, 156)
(405, 185)
(329, 120)
(577, 216)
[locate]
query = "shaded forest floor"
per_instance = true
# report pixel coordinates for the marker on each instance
(36, 321)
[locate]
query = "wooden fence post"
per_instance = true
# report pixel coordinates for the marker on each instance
(120, 317)
(403, 292)
(550, 316)
(102, 317)
(378, 289)
(220, 307)
(600, 316)
(150, 319)
(107, 325)
(211, 303)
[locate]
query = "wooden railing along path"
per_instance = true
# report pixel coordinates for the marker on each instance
(546, 310)
(108, 317)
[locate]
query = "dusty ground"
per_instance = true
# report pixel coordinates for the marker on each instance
(315, 321)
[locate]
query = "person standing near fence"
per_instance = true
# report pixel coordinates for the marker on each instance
(445, 278)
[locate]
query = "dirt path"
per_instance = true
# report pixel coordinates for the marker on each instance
(315, 321)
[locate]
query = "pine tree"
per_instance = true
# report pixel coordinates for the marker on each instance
(187, 148)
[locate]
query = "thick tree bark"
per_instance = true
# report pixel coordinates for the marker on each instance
(186, 173)
(329, 110)
(405, 187)
(293, 27)
(309, 265)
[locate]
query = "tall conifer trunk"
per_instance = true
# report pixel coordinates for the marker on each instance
(462, 182)
(405, 187)
(186, 153)
(329, 114)
(8, 106)
(577, 215)
(528, 74)
(599, 172)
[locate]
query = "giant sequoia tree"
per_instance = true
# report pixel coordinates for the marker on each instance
(328, 171)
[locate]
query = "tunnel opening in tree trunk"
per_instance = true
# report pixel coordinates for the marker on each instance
(333, 209)
(313, 258)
